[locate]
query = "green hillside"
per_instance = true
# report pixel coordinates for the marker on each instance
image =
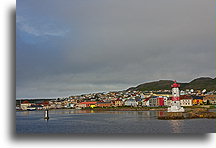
(202, 83)
(199, 83)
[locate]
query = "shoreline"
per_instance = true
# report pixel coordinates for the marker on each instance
(127, 109)
(190, 112)
(187, 109)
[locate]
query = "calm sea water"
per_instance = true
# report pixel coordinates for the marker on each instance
(80, 121)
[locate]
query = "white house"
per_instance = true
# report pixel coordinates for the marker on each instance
(131, 102)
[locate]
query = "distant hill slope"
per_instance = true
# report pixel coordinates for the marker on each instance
(199, 83)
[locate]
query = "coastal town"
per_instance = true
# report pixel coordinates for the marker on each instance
(119, 99)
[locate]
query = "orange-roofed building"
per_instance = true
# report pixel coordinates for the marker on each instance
(25, 105)
(88, 104)
(104, 104)
(45, 105)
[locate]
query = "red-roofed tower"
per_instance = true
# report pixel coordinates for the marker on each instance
(175, 106)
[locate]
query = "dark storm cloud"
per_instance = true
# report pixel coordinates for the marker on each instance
(72, 47)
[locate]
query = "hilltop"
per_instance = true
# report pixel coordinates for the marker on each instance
(199, 83)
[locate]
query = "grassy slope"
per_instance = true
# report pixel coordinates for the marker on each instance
(199, 83)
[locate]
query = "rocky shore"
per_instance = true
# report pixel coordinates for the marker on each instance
(191, 114)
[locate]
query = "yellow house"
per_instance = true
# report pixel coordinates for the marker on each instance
(197, 101)
(92, 105)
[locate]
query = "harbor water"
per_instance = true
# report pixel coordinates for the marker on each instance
(93, 122)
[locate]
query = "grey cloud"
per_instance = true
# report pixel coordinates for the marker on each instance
(116, 45)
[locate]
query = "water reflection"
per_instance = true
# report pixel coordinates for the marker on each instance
(176, 125)
(133, 114)
(137, 115)
(90, 121)
(25, 113)
(160, 113)
(72, 111)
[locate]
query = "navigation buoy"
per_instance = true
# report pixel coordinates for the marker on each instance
(46, 114)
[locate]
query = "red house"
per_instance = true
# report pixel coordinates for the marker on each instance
(160, 101)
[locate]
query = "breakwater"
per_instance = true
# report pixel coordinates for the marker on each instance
(191, 114)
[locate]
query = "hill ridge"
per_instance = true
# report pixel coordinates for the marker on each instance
(197, 83)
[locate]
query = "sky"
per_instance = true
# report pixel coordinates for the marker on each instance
(72, 47)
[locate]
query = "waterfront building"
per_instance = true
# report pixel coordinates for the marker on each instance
(131, 102)
(145, 102)
(209, 99)
(156, 101)
(169, 101)
(153, 101)
(160, 101)
(25, 104)
(45, 104)
(165, 101)
(117, 103)
(175, 106)
(182, 92)
(80, 105)
(87, 104)
(70, 105)
(186, 100)
(197, 100)
(104, 104)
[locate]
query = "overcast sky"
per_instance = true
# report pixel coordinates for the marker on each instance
(69, 47)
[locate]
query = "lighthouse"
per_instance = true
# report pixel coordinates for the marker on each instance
(175, 105)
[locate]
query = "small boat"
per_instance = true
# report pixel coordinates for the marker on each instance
(31, 108)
